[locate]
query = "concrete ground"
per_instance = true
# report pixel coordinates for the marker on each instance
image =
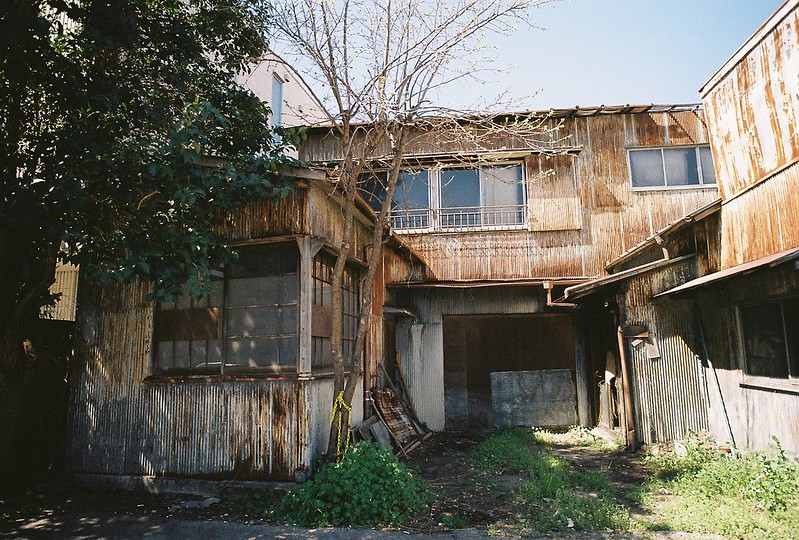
(113, 525)
(99, 525)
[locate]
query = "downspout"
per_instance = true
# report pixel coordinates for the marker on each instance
(548, 286)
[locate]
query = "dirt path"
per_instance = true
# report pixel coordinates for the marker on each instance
(469, 503)
(467, 497)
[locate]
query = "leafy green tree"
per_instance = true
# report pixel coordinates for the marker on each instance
(125, 138)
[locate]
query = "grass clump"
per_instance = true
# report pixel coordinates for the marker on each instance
(370, 487)
(707, 491)
(554, 495)
(574, 436)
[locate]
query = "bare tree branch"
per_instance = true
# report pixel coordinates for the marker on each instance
(383, 62)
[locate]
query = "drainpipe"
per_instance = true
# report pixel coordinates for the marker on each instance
(629, 427)
(548, 286)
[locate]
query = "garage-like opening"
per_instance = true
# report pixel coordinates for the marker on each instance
(502, 370)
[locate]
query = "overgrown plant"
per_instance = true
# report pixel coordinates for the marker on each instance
(556, 496)
(755, 496)
(369, 487)
(108, 113)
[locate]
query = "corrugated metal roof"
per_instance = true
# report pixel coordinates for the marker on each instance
(568, 112)
(475, 283)
(742, 269)
(584, 289)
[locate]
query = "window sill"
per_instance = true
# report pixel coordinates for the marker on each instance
(674, 188)
(783, 386)
(234, 378)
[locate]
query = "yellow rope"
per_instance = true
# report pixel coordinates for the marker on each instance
(339, 404)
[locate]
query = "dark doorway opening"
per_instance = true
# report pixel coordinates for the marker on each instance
(477, 345)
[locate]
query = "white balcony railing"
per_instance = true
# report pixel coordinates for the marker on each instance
(460, 218)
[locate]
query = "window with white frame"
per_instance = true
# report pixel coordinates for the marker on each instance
(770, 332)
(671, 167)
(277, 100)
(453, 198)
(250, 324)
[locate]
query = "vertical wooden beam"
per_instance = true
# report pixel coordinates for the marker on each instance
(309, 246)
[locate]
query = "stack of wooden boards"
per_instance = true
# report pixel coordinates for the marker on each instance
(394, 424)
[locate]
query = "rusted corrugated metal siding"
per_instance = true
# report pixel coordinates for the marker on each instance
(439, 137)
(669, 399)
(752, 411)
(503, 255)
(269, 218)
(422, 339)
(580, 215)
(762, 221)
(753, 105)
(123, 425)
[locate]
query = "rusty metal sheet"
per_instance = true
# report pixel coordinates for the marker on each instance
(763, 220)
(752, 104)
(394, 416)
(736, 271)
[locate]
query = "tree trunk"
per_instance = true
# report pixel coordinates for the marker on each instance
(339, 427)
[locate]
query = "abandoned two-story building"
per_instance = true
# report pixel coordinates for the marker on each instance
(611, 276)
(502, 227)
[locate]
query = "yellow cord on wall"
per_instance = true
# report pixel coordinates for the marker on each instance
(338, 405)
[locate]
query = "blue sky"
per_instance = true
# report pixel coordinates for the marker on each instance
(614, 52)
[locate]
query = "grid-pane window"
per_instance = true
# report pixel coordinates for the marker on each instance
(248, 324)
(771, 338)
(321, 327)
(656, 168)
(261, 307)
(188, 333)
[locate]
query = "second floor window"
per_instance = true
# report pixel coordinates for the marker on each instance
(457, 198)
(677, 167)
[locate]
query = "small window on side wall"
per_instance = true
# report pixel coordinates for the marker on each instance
(678, 167)
(770, 332)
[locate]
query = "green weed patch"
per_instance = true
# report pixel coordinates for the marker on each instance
(370, 487)
(554, 495)
(707, 491)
